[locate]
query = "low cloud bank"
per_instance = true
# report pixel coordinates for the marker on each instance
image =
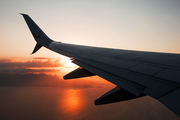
(38, 72)
(8, 66)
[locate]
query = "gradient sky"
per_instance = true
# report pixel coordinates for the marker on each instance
(146, 25)
(150, 25)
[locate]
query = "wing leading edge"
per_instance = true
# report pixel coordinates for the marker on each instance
(136, 73)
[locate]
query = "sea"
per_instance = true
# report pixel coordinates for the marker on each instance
(56, 103)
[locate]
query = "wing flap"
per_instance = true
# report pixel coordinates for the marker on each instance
(146, 69)
(168, 74)
(171, 100)
(159, 89)
(115, 95)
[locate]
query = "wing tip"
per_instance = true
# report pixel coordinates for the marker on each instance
(23, 14)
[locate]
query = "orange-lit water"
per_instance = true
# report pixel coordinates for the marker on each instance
(41, 103)
(73, 101)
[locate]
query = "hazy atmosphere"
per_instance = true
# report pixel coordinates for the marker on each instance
(32, 86)
(131, 24)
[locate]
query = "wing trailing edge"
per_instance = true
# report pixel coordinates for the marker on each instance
(116, 95)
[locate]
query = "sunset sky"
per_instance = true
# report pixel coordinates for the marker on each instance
(32, 85)
(147, 25)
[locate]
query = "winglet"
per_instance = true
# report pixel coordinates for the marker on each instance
(40, 37)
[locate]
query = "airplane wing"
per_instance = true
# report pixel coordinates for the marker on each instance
(136, 73)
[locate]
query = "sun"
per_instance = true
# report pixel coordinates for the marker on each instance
(68, 63)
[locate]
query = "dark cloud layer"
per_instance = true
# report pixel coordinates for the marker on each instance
(43, 80)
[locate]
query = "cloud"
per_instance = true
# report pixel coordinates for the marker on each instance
(35, 65)
(43, 58)
(39, 72)
(36, 62)
(5, 60)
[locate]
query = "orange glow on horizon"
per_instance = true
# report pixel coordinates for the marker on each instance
(48, 66)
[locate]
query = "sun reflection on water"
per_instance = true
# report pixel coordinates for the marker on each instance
(72, 101)
(73, 98)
